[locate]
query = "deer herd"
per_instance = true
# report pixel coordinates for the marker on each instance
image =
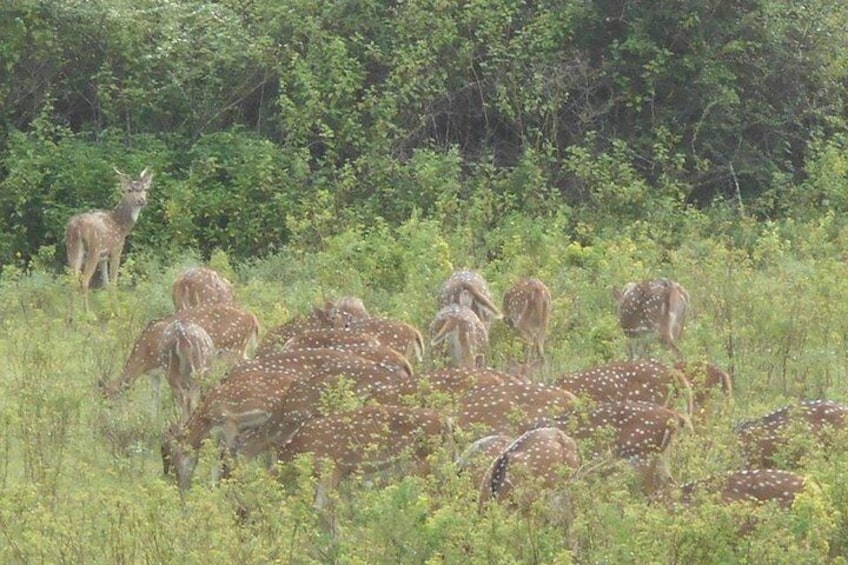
(343, 386)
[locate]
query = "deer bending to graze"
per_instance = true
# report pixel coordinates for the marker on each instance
(750, 485)
(470, 289)
(358, 343)
(95, 239)
(652, 308)
(642, 380)
(527, 308)
(185, 352)
(767, 440)
(240, 407)
(642, 434)
(400, 336)
(346, 310)
(465, 337)
(233, 331)
(538, 460)
(197, 286)
(707, 381)
(369, 439)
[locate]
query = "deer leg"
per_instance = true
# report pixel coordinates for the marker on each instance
(114, 264)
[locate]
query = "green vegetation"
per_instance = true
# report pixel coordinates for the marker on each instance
(310, 150)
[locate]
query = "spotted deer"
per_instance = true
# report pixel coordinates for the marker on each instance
(398, 335)
(470, 289)
(233, 331)
(235, 406)
(510, 408)
(351, 341)
(652, 308)
(768, 441)
(643, 380)
(749, 485)
(539, 460)
(369, 439)
(709, 384)
(527, 308)
(185, 352)
(641, 433)
(331, 315)
(95, 240)
(197, 286)
(465, 337)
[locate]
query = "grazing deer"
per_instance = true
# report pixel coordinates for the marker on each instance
(642, 434)
(369, 439)
(185, 352)
(527, 308)
(539, 459)
(464, 335)
(653, 307)
(470, 289)
(706, 381)
(197, 286)
(511, 407)
(331, 315)
(95, 239)
(766, 441)
(400, 336)
(238, 407)
(358, 343)
(477, 457)
(644, 380)
(749, 485)
(233, 331)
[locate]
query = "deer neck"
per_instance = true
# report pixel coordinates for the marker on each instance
(125, 216)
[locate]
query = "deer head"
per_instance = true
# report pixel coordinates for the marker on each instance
(470, 289)
(527, 308)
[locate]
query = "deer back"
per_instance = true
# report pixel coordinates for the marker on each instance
(345, 311)
(465, 337)
(653, 307)
(350, 341)
(398, 335)
(764, 439)
(510, 408)
(751, 485)
(197, 286)
(470, 289)
(538, 459)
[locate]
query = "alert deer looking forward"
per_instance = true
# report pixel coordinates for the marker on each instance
(95, 239)
(652, 307)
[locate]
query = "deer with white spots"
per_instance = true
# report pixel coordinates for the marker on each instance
(370, 439)
(238, 407)
(197, 286)
(539, 460)
(750, 485)
(331, 315)
(233, 331)
(398, 335)
(95, 240)
(641, 433)
(350, 341)
(642, 380)
(511, 407)
(465, 337)
(708, 383)
(652, 308)
(470, 289)
(185, 352)
(768, 440)
(527, 308)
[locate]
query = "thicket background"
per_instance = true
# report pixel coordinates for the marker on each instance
(312, 149)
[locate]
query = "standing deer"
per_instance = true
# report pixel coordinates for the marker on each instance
(767, 440)
(527, 308)
(185, 352)
(470, 289)
(465, 336)
(653, 307)
(197, 286)
(539, 459)
(95, 239)
(233, 332)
